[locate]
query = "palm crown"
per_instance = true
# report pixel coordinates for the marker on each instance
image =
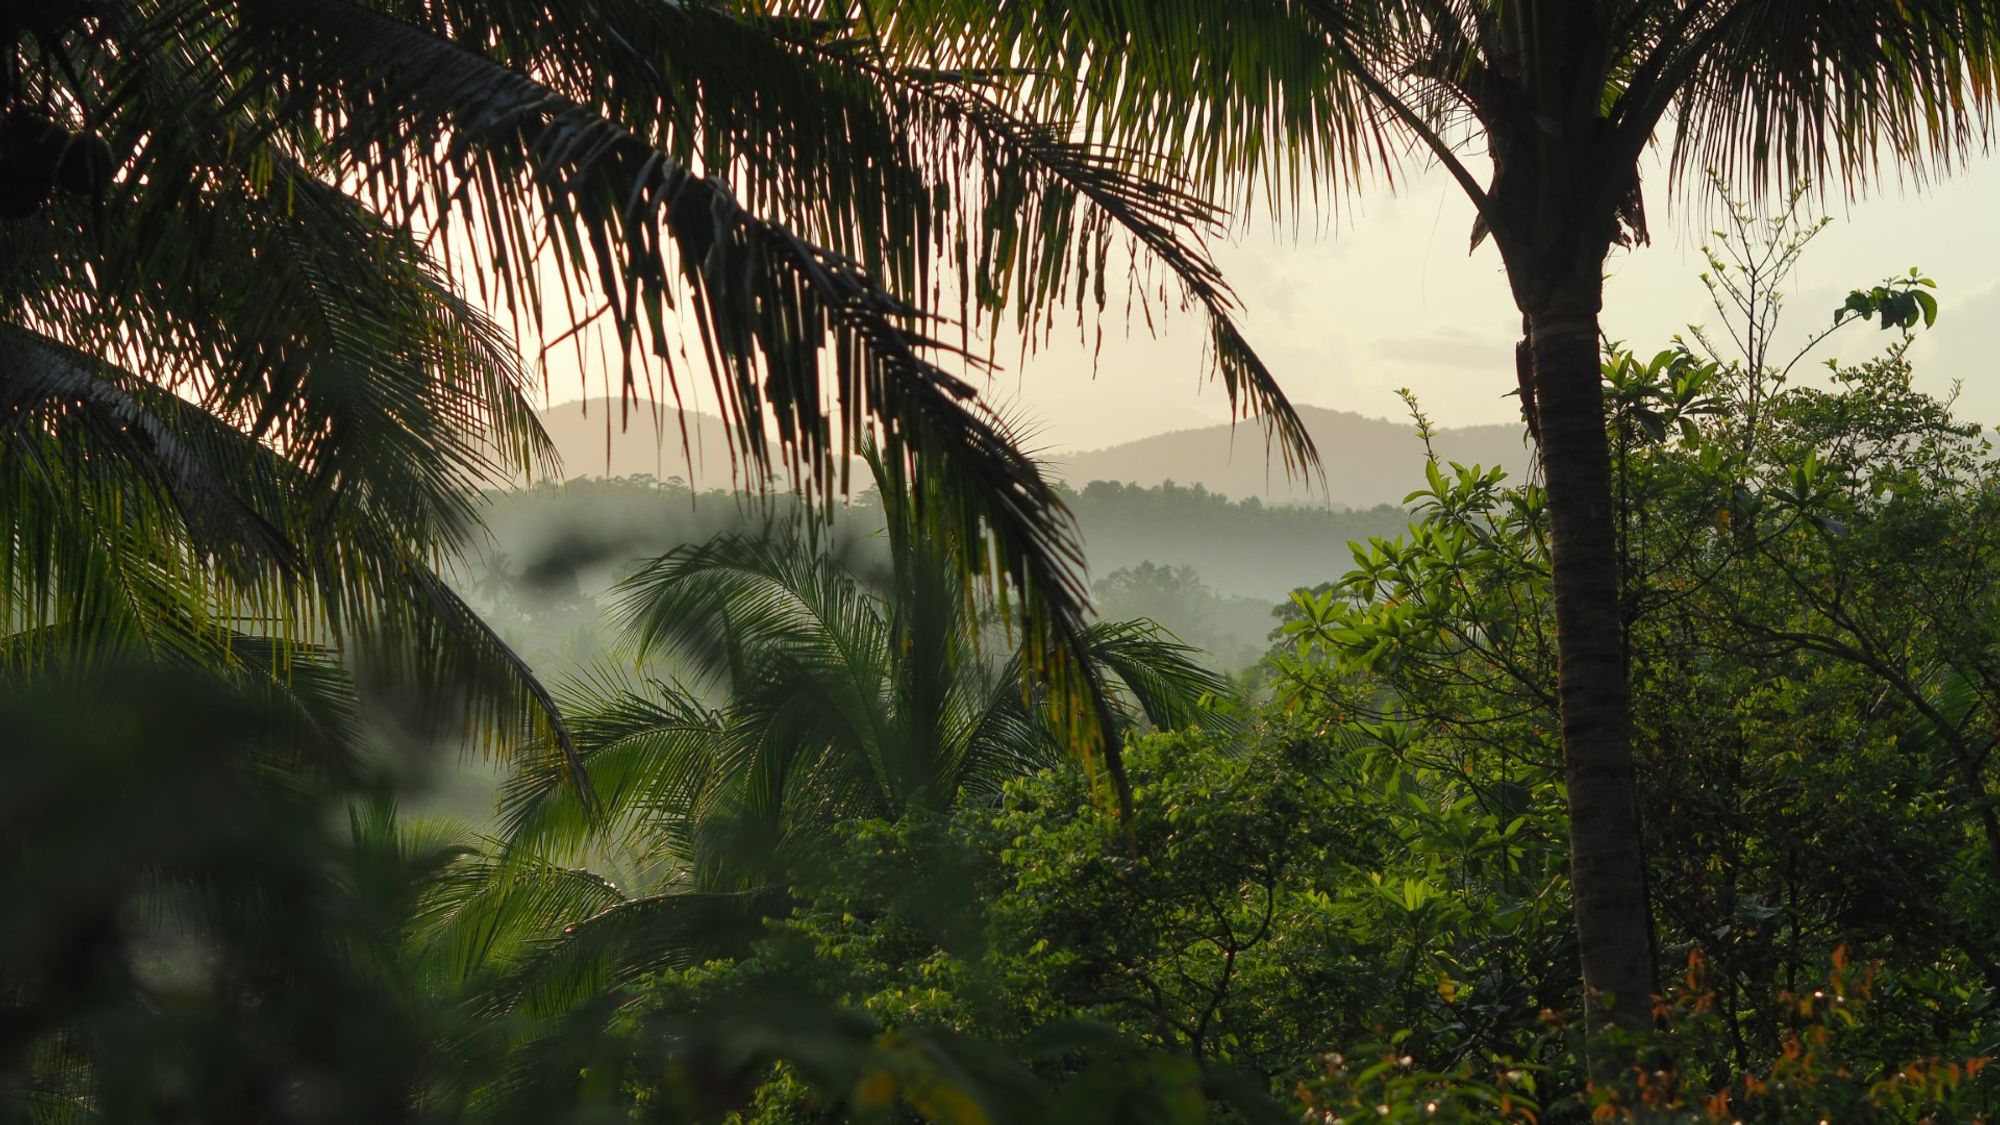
(849, 690)
(846, 687)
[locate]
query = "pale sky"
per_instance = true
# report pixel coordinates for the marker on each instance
(1385, 296)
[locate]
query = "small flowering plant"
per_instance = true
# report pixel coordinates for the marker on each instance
(1379, 1082)
(1816, 1078)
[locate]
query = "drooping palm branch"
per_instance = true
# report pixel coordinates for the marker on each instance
(1289, 94)
(141, 522)
(771, 307)
(563, 164)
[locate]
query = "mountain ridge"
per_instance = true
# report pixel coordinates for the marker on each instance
(1366, 461)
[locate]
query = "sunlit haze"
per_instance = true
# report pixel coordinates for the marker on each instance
(1383, 295)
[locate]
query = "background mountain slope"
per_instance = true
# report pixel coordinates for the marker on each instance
(1369, 461)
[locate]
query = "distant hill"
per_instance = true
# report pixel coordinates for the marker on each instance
(1238, 547)
(1208, 567)
(1368, 461)
(597, 439)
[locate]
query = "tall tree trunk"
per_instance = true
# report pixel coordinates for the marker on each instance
(1607, 866)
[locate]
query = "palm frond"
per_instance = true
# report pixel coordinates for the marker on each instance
(652, 762)
(621, 943)
(769, 305)
(1164, 677)
(1250, 91)
(732, 601)
(1765, 92)
(482, 919)
(141, 520)
(249, 284)
(74, 427)
(815, 126)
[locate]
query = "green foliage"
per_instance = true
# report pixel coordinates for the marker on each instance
(1901, 303)
(1231, 632)
(1807, 575)
(1268, 908)
(1207, 938)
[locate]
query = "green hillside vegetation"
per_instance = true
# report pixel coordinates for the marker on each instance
(1209, 568)
(1239, 547)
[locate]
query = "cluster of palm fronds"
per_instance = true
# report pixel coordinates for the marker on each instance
(251, 378)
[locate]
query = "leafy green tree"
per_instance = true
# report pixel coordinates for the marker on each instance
(1804, 569)
(1225, 942)
(1831, 606)
(1566, 97)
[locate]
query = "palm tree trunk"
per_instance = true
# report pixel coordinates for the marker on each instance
(1607, 866)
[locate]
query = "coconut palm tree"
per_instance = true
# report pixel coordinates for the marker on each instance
(825, 687)
(1565, 98)
(838, 702)
(252, 253)
(845, 687)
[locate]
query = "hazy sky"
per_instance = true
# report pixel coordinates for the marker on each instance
(1385, 296)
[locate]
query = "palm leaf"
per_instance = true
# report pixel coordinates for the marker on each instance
(652, 763)
(140, 519)
(1765, 91)
(769, 305)
(1164, 677)
(623, 942)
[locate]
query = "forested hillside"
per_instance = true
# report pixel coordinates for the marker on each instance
(1210, 569)
(1366, 461)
